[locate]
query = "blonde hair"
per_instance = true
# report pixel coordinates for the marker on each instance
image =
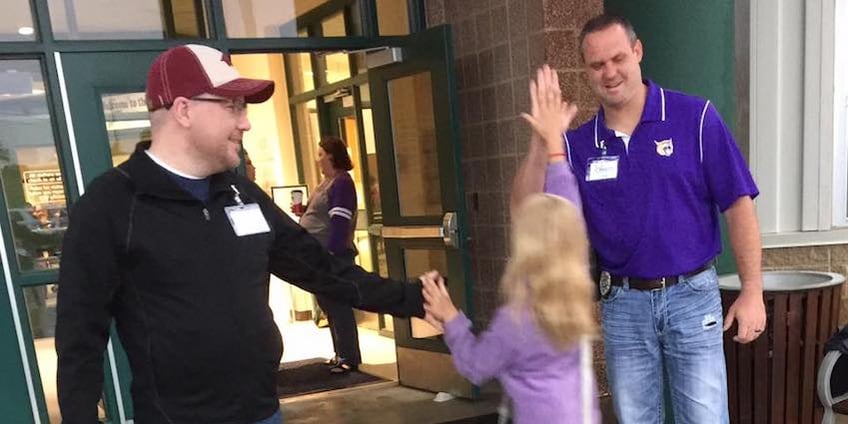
(548, 273)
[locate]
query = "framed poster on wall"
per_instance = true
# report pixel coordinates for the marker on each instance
(291, 199)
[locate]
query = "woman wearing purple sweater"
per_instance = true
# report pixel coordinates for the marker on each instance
(330, 217)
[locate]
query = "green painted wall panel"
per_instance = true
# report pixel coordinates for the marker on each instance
(689, 46)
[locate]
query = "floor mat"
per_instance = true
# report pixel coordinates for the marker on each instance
(311, 376)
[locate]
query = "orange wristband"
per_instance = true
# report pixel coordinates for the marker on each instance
(553, 155)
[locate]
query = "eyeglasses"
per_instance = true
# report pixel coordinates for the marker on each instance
(236, 107)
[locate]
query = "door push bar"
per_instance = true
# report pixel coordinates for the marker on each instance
(448, 231)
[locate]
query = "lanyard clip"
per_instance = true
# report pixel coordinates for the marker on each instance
(603, 146)
(236, 195)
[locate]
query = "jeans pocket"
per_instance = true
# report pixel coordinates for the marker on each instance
(703, 281)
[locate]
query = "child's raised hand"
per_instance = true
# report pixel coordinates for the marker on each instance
(438, 302)
(550, 116)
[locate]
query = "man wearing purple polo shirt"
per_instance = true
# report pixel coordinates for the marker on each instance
(654, 167)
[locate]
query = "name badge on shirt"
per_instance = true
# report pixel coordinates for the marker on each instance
(602, 168)
(247, 219)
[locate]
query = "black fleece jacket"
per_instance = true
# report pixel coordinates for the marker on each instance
(188, 296)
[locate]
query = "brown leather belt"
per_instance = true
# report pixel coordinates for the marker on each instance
(656, 283)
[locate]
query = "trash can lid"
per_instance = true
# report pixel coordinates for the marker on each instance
(787, 280)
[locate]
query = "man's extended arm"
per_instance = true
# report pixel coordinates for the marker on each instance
(299, 258)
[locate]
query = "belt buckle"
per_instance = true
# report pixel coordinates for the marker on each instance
(605, 283)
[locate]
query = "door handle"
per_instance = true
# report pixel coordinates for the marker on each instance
(375, 230)
(448, 231)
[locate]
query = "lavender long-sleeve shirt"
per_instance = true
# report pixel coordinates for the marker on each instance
(543, 382)
(560, 180)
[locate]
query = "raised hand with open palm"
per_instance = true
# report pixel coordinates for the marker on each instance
(550, 116)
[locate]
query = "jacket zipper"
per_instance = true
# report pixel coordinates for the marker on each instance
(206, 213)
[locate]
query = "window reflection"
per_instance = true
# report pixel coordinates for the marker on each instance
(127, 123)
(417, 262)
(308, 136)
(334, 26)
(337, 65)
(29, 167)
(373, 190)
(16, 21)
(300, 72)
(41, 309)
(148, 19)
(283, 18)
(414, 139)
(393, 17)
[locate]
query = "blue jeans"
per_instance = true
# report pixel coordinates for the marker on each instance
(677, 331)
(277, 418)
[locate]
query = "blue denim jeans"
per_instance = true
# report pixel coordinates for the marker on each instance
(677, 331)
(277, 418)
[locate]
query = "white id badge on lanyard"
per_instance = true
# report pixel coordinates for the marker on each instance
(602, 168)
(247, 219)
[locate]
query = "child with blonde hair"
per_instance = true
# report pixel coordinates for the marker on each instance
(537, 343)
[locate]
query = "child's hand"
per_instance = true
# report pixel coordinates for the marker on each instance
(550, 116)
(438, 302)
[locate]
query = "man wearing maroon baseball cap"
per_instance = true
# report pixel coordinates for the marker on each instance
(177, 249)
(192, 70)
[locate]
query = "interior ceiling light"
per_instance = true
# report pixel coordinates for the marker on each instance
(25, 30)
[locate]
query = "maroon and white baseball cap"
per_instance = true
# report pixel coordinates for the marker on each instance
(192, 69)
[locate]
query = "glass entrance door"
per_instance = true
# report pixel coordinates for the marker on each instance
(33, 219)
(423, 211)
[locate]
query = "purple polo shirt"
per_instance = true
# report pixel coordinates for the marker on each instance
(660, 216)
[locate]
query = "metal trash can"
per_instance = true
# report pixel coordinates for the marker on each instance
(773, 379)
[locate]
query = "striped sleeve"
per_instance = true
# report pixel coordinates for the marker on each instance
(342, 207)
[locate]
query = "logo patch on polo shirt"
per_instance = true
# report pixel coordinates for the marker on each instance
(665, 147)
